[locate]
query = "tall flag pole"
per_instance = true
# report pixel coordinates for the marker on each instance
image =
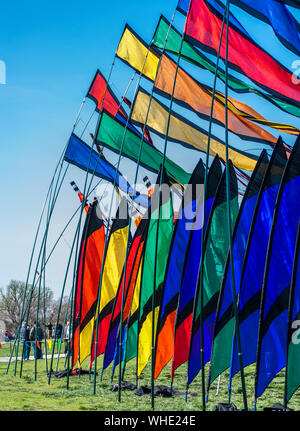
(130, 217)
(234, 292)
(144, 64)
(85, 193)
(200, 272)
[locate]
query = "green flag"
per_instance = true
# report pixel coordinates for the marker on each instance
(113, 135)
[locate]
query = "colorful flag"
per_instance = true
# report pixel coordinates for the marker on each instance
(113, 135)
(183, 131)
(278, 16)
(81, 155)
(111, 273)
(190, 219)
(254, 261)
(87, 280)
(223, 331)
(193, 95)
(166, 36)
(101, 93)
(158, 239)
(188, 285)
(203, 28)
(214, 259)
(126, 290)
(272, 340)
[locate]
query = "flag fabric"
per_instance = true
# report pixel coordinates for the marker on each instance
(271, 353)
(101, 93)
(203, 28)
(193, 95)
(276, 14)
(196, 57)
(133, 51)
(131, 345)
(189, 219)
(292, 375)
(79, 154)
(224, 327)
(188, 283)
(158, 238)
(111, 273)
(214, 259)
(183, 6)
(87, 279)
(293, 3)
(126, 289)
(111, 133)
(183, 131)
(254, 260)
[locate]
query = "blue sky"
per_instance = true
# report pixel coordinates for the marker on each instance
(51, 51)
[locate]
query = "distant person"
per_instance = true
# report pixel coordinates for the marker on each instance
(36, 335)
(50, 330)
(67, 337)
(58, 331)
(24, 335)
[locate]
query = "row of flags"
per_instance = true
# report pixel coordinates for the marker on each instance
(169, 292)
(161, 291)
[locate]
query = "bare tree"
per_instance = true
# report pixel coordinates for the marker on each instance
(12, 299)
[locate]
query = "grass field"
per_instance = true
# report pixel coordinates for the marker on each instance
(26, 394)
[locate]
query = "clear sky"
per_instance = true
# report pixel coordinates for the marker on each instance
(51, 51)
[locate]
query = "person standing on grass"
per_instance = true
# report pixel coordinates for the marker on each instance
(24, 336)
(50, 330)
(36, 336)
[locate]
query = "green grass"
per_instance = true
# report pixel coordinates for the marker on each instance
(20, 394)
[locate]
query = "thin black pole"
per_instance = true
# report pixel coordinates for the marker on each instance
(237, 328)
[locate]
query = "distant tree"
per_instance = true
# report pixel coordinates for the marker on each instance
(12, 299)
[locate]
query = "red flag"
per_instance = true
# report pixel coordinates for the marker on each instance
(99, 89)
(203, 28)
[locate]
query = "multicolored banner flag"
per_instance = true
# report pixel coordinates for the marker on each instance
(183, 131)
(191, 94)
(189, 280)
(113, 135)
(154, 266)
(214, 259)
(254, 261)
(284, 25)
(87, 280)
(111, 273)
(125, 290)
(167, 37)
(190, 219)
(80, 154)
(225, 321)
(203, 28)
(272, 341)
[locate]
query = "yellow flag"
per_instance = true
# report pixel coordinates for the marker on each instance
(134, 51)
(183, 131)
